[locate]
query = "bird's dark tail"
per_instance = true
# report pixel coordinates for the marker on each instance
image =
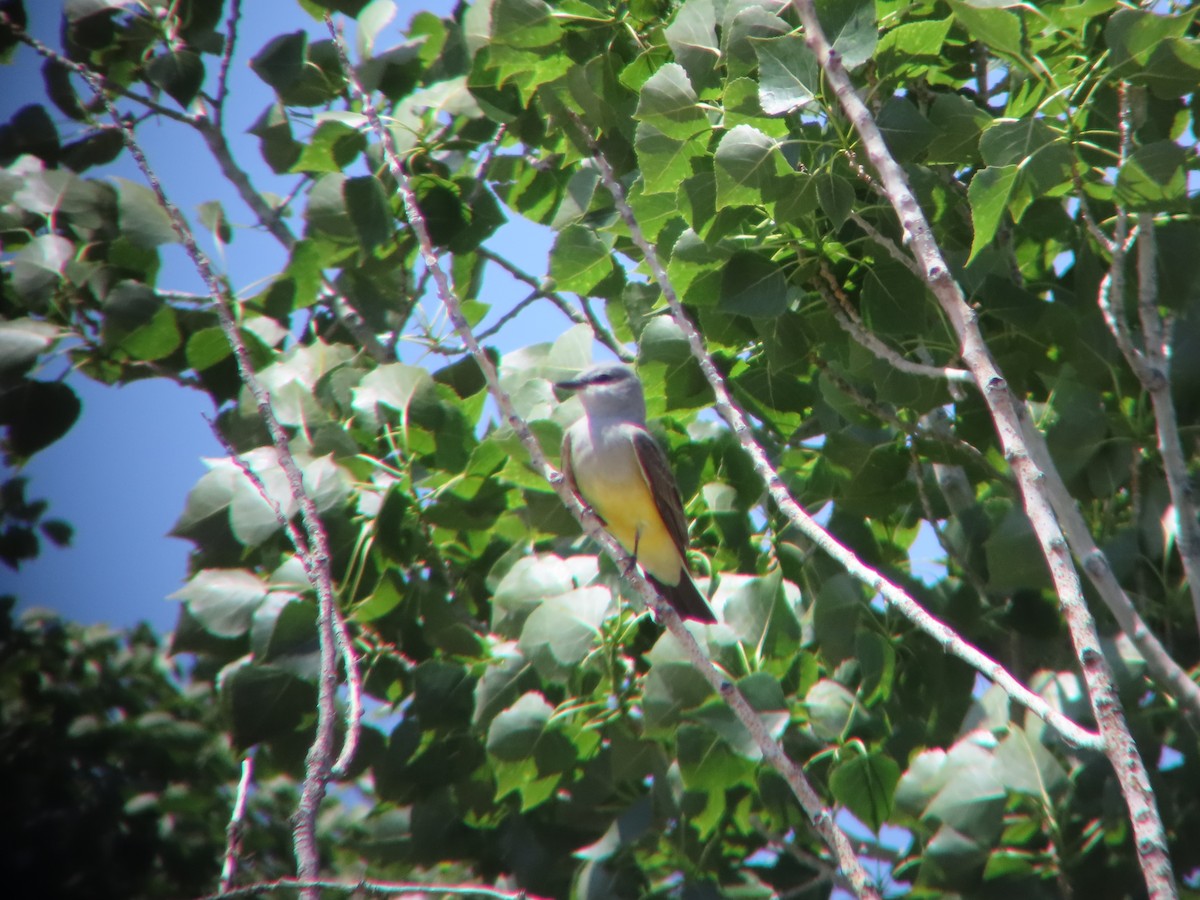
(685, 597)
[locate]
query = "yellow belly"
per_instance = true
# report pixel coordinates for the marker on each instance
(620, 496)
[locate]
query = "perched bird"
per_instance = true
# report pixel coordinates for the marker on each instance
(613, 463)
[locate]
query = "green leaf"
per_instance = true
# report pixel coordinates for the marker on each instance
(672, 688)
(957, 127)
(374, 17)
(692, 37)
(748, 166)
(1133, 35)
(668, 102)
(1173, 69)
(752, 21)
(894, 300)
(38, 267)
(906, 130)
(443, 694)
(157, 339)
(212, 217)
(179, 73)
(1011, 142)
(1025, 766)
(877, 657)
(665, 162)
(331, 148)
(264, 703)
(911, 48)
(788, 73)
(835, 195)
(579, 260)
(281, 62)
(395, 385)
(752, 285)
(276, 144)
(223, 600)
(205, 348)
(526, 24)
(22, 341)
(865, 784)
(369, 211)
(514, 733)
(284, 632)
(988, 194)
(36, 414)
(130, 304)
(1154, 178)
(830, 709)
(851, 28)
(326, 212)
(797, 198)
(143, 221)
(706, 762)
(561, 632)
(1014, 556)
(998, 28)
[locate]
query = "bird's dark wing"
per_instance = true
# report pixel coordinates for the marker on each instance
(657, 472)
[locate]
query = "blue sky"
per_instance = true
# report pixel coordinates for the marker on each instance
(121, 474)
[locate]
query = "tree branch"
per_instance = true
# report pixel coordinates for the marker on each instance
(235, 830)
(821, 816)
(222, 91)
(587, 317)
(795, 513)
(1156, 337)
(317, 765)
(1119, 745)
(378, 888)
(849, 321)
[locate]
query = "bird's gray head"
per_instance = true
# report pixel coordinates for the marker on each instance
(610, 391)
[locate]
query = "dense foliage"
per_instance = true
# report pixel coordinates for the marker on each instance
(118, 776)
(529, 726)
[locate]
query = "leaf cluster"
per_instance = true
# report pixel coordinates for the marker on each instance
(525, 724)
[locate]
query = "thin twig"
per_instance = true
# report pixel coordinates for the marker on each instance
(1156, 339)
(886, 243)
(848, 319)
(320, 754)
(350, 661)
(272, 220)
(587, 317)
(821, 815)
(1007, 415)
(380, 888)
(354, 691)
(222, 91)
(234, 831)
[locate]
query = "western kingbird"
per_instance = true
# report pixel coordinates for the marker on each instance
(616, 466)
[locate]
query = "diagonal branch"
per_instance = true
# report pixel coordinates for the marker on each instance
(1008, 417)
(849, 321)
(235, 830)
(1156, 335)
(821, 816)
(896, 596)
(320, 754)
(587, 317)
